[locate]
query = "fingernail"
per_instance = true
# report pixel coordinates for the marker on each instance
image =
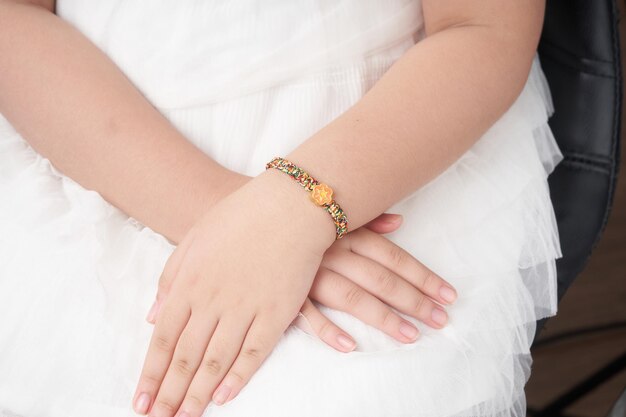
(152, 312)
(439, 316)
(396, 218)
(447, 294)
(142, 403)
(345, 341)
(183, 414)
(408, 330)
(221, 394)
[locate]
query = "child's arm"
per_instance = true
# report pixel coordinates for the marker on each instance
(429, 107)
(420, 117)
(75, 107)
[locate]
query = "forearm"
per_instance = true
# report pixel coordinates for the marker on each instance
(75, 107)
(431, 106)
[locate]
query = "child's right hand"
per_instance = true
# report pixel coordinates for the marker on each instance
(357, 272)
(364, 274)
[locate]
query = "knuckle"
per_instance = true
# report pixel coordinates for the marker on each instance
(162, 343)
(195, 401)
(325, 330)
(183, 367)
(212, 366)
(237, 376)
(397, 255)
(336, 283)
(430, 279)
(353, 296)
(252, 352)
(166, 404)
(388, 318)
(152, 379)
(387, 282)
(254, 349)
(419, 305)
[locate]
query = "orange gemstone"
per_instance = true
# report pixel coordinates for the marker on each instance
(322, 194)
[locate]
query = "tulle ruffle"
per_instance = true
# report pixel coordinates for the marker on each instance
(77, 275)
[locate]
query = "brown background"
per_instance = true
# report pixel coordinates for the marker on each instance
(597, 297)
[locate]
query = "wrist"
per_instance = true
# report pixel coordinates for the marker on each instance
(296, 208)
(206, 191)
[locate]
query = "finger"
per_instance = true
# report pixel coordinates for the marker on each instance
(385, 223)
(218, 357)
(170, 271)
(385, 252)
(338, 292)
(259, 342)
(328, 331)
(170, 323)
(185, 361)
(387, 286)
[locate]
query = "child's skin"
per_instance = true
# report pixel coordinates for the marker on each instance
(76, 108)
(356, 273)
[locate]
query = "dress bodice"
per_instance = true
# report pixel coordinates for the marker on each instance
(201, 52)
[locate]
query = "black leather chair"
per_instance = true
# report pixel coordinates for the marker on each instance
(580, 55)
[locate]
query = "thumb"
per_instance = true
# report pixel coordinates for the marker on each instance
(167, 278)
(385, 223)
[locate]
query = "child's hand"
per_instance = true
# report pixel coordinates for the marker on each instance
(363, 274)
(366, 257)
(242, 273)
(385, 223)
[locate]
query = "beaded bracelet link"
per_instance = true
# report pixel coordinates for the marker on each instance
(320, 193)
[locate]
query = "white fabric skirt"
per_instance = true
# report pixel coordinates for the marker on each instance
(247, 80)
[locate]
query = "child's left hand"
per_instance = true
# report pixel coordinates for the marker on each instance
(241, 273)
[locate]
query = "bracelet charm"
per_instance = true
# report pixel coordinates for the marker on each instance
(320, 193)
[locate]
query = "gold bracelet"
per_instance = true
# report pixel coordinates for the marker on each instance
(321, 193)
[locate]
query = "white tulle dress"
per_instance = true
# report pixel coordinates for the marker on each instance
(247, 80)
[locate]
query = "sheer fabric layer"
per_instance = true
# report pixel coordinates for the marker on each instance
(77, 275)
